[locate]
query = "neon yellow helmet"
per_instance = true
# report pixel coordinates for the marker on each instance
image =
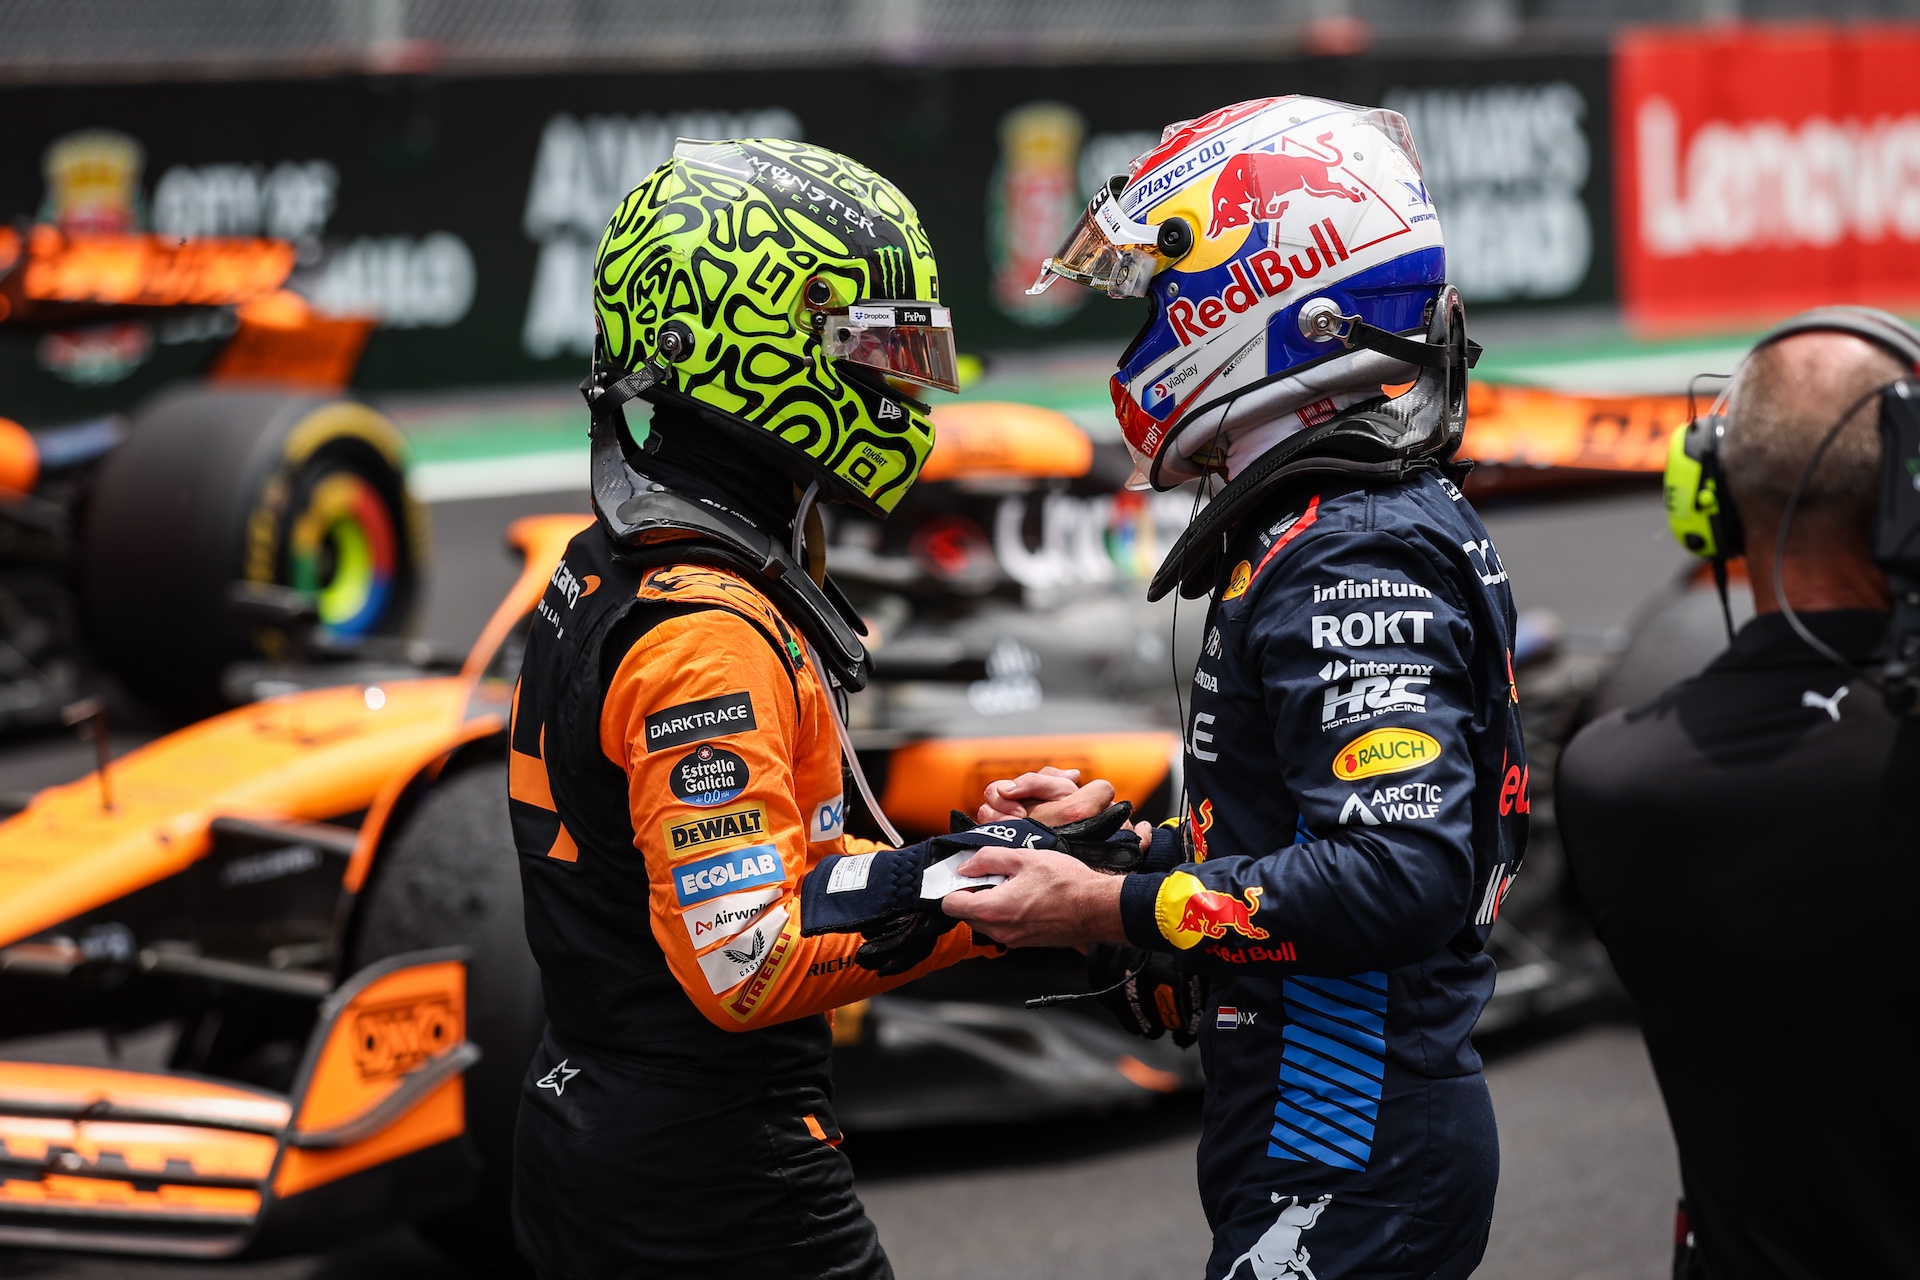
(807, 301)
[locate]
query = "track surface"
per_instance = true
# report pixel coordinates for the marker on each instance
(1588, 1178)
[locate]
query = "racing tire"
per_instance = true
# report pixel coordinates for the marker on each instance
(216, 485)
(451, 877)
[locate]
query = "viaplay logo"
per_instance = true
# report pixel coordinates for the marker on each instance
(1163, 393)
(1159, 399)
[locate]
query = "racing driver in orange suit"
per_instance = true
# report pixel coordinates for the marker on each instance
(676, 782)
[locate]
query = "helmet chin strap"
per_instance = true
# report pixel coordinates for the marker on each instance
(1381, 444)
(629, 506)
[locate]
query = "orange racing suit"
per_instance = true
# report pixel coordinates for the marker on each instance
(675, 772)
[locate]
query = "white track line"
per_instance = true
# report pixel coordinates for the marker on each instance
(457, 479)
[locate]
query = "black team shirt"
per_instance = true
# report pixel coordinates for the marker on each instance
(1749, 846)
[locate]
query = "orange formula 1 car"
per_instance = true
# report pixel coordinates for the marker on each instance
(122, 538)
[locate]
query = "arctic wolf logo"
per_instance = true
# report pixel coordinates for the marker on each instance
(1255, 185)
(1277, 1255)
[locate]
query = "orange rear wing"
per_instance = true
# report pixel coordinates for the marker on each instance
(155, 1163)
(58, 278)
(1525, 438)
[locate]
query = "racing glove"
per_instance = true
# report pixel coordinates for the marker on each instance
(892, 896)
(1147, 992)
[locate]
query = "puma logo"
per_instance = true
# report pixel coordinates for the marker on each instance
(1829, 704)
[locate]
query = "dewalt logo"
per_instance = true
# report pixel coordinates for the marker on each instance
(747, 822)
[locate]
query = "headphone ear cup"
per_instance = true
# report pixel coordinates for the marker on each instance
(1688, 490)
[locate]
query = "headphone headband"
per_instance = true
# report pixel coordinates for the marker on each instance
(1882, 328)
(1699, 511)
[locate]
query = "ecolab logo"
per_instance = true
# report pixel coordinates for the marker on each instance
(1263, 275)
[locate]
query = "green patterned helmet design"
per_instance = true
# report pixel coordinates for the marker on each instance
(760, 248)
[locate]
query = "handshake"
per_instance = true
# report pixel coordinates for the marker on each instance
(1041, 864)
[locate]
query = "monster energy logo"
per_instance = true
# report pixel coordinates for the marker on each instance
(890, 273)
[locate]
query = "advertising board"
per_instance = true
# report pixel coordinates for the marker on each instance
(1762, 170)
(461, 214)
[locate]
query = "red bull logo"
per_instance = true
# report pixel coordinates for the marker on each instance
(1188, 912)
(1263, 274)
(1214, 913)
(1256, 186)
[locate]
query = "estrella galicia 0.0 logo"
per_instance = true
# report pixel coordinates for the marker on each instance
(709, 776)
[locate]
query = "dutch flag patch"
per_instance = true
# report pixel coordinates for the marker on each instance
(1226, 1019)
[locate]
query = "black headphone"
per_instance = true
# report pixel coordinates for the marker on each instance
(1700, 511)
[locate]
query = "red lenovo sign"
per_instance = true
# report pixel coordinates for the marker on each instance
(1760, 171)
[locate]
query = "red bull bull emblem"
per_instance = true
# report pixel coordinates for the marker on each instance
(1189, 912)
(1214, 913)
(1256, 186)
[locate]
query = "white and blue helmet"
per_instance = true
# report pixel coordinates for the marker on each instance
(1293, 260)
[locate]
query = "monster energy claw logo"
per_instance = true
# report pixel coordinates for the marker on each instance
(890, 273)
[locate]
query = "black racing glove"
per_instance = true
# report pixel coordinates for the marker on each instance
(883, 895)
(1147, 992)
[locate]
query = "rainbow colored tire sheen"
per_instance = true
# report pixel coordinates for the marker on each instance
(343, 552)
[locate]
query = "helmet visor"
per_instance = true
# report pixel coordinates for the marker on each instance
(912, 341)
(1106, 250)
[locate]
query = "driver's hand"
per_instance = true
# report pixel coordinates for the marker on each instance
(1051, 796)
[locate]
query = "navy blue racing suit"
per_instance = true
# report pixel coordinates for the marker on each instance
(1357, 808)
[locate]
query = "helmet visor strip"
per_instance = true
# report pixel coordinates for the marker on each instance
(912, 341)
(1106, 250)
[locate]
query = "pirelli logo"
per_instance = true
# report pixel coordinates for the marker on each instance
(698, 721)
(748, 998)
(746, 822)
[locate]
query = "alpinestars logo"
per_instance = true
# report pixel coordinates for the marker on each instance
(557, 1078)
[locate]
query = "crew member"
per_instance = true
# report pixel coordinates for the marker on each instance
(1356, 782)
(676, 744)
(1745, 841)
